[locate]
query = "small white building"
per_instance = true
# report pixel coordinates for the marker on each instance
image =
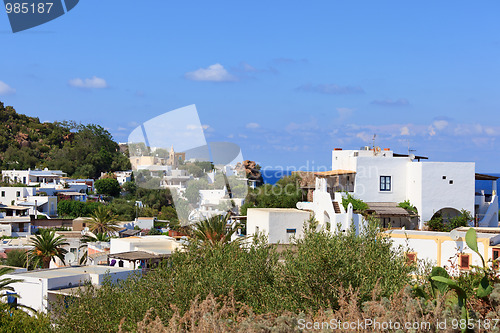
(279, 225)
(144, 222)
(446, 248)
(35, 177)
(159, 245)
(15, 221)
(121, 176)
(40, 288)
(27, 197)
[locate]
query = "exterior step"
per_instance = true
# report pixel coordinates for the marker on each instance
(336, 207)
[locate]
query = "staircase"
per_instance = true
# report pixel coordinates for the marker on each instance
(336, 207)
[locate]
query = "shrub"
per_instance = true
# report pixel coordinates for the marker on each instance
(408, 206)
(358, 205)
(107, 186)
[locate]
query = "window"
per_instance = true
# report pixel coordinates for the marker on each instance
(3, 193)
(451, 182)
(464, 261)
(290, 233)
(495, 256)
(24, 180)
(444, 177)
(18, 194)
(385, 183)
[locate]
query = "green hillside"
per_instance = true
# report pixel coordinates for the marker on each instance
(79, 150)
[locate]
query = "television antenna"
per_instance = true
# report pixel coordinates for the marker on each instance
(374, 137)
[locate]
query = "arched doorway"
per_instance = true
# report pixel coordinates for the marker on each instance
(446, 213)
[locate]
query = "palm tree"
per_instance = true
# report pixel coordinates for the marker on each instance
(89, 238)
(5, 283)
(47, 246)
(214, 231)
(103, 221)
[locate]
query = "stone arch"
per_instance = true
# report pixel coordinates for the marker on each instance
(446, 213)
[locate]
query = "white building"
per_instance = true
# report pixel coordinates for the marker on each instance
(279, 225)
(443, 248)
(155, 246)
(33, 177)
(40, 288)
(27, 197)
(121, 176)
(375, 175)
(15, 221)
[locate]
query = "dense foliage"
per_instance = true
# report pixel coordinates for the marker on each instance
(74, 209)
(79, 150)
(440, 223)
(285, 194)
(107, 186)
(310, 278)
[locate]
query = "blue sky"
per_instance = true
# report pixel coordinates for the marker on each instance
(288, 81)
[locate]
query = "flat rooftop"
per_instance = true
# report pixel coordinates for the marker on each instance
(279, 210)
(71, 271)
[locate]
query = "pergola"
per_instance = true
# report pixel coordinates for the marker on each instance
(147, 260)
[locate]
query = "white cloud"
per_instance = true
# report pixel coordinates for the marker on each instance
(344, 112)
(214, 73)
(5, 89)
(432, 131)
(364, 136)
(405, 130)
(252, 125)
(440, 124)
(92, 83)
(490, 131)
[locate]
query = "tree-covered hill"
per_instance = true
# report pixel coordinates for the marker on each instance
(79, 150)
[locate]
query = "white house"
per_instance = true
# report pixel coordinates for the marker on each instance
(121, 176)
(279, 225)
(27, 197)
(148, 247)
(15, 220)
(445, 249)
(40, 288)
(33, 177)
(376, 176)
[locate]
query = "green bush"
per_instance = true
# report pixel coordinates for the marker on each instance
(74, 209)
(358, 205)
(310, 278)
(107, 186)
(437, 223)
(13, 321)
(408, 206)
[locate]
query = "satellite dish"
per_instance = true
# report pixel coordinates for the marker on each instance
(454, 235)
(69, 258)
(377, 150)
